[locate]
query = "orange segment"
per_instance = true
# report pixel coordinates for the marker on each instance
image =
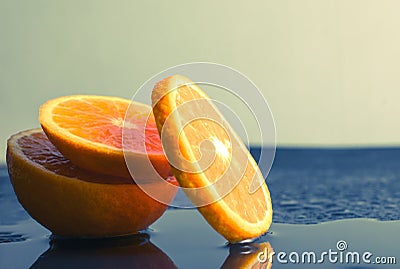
(88, 131)
(186, 117)
(70, 201)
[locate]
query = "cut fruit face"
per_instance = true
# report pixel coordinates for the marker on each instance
(210, 161)
(88, 130)
(71, 201)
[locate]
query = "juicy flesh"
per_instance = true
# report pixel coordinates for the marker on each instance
(102, 121)
(38, 149)
(232, 163)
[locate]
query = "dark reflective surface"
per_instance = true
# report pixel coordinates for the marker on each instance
(249, 255)
(329, 187)
(125, 252)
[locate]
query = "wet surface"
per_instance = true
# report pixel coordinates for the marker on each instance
(328, 187)
(182, 239)
(315, 185)
(9, 237)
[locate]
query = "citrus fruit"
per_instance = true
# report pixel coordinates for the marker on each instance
(71, 201)
(218, 174)
(88, 129)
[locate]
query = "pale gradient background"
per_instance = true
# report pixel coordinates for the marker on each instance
(330, 70)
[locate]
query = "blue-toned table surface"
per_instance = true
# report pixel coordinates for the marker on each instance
(320, 196)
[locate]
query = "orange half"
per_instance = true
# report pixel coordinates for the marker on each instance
(88, 130)
(71, 201)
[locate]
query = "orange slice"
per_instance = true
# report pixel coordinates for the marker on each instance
(88, 130)
(70, 201)
(186, 117)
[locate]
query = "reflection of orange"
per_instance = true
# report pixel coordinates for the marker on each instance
(257, 256)
(240, 214)
(121, 253)
(88, 130)
(73, 202)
